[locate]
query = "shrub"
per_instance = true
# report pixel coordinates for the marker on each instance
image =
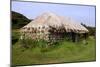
(15, 37)
(30, 43)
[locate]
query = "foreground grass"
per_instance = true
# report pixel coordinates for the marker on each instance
(65, 52)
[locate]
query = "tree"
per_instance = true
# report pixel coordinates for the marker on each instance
(91, 29)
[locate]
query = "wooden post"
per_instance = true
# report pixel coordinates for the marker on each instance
(73, 37)
(85, 36)
(76, 37)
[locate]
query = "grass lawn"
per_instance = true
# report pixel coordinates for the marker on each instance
(65, 52)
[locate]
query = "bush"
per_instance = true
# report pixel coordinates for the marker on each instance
(42, 44)
(15, 37)
(30, 43)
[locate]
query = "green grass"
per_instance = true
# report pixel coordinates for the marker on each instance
(66, 51)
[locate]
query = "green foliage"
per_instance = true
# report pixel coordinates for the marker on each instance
(92, 30)
(30, 43)
(15, 37)
(27, 43)
(66, 51)
(18, 20)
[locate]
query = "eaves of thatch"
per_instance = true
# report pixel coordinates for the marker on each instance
(50, 19)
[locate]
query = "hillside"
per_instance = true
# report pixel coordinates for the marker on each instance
(18, 20)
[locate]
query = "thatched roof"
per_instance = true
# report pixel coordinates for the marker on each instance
(50, 19)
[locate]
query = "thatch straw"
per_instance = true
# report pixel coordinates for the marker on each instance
(50, 19)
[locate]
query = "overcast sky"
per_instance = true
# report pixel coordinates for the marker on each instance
(84, 14)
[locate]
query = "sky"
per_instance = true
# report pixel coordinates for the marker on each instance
(80, 13)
